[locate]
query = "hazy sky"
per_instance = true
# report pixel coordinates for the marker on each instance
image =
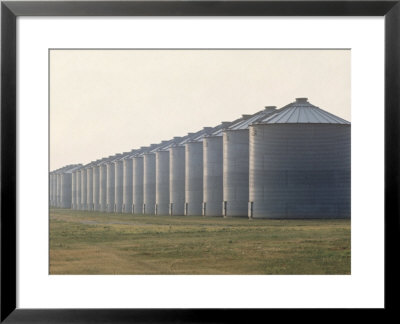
(104, 102)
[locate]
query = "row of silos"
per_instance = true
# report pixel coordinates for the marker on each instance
(277, 163)
(60, 184)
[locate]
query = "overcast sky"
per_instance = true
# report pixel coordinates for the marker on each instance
(104, 102)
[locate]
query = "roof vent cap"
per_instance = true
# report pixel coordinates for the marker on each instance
(301, 99)
(269, 107)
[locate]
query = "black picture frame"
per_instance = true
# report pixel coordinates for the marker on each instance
(10, 10)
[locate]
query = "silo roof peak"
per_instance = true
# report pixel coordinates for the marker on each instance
(302, 112)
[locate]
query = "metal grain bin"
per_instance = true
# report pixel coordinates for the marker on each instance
(58, 183)
(103, 187)
(119, 176)
(162, 182)
(51, 189)
(127, 185)
(137, 184)
(236, 164)
(73, 190)
(149, 183)
(83, 189)
(212, 172)
(300, 164)
(110, 186)
(61, 185)
(163, 176)
(177, 180)
(66, 190)
(96, 187)
(78, 190)
(194, 174)
(89, 188)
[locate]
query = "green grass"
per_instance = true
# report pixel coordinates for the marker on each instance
(103, 243)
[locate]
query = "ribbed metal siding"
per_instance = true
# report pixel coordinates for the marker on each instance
(51, 189)
(73, 190)
(194, 178)
(89, 185)
(52, 186)
(103, 187)
(58, 204)
(78, 190)
(162, 182)
(110, 187)
(127, 186)
(96, 188)
(177, 180)
(236, 172)
(300, 171)
(212, 178)
(83, 189)
(66, 190)
(137, 184)
(119, 175)
(149, 183)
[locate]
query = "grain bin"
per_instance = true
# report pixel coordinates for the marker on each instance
(176, 180)
(137, 184)
(163, 177)
(51, 189)
(138, 179)
(149, 183)
(103, 186)
(61, 186)
(73, 190)
(96, 187)
(66, 190)
(127, 184)
(236, 164)
(89, 186)
(83, 189)
(58, 203)
(149, 179)
(212, 172)
(300, 164)
(119, 176)
(162, 182)
(194, 174)
(110, 186)
(78, 190)
(66, 185)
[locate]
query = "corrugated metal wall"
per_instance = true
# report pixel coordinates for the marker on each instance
(137, 184)
(235, 173)
(177, 180)
(149, 183)
(193, 178)
(119, 173)
(300, 170)
(127, 186)
(162, 182)
(213, 175)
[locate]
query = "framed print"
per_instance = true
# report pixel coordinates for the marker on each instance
(109, 112)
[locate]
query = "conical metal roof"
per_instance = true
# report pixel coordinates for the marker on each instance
(302, 112)
(247, 120)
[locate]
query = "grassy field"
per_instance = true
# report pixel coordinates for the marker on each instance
(101, 243)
